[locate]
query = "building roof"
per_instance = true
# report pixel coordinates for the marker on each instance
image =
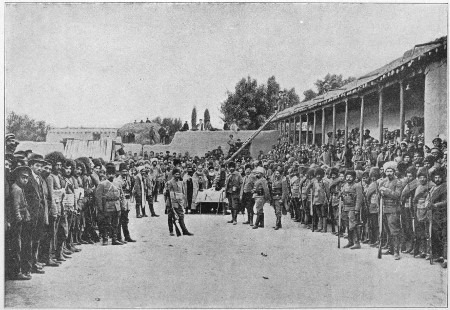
(371, 78)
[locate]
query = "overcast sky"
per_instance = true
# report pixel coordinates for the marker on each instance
(104, 65)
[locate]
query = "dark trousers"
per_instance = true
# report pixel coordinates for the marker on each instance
(407, 233)
(248, 202)
(37, 235)
(150, 206)
(48, 245)
(20, 243)
(373, 232)
(155, 191)
(123, 225)
(109, 224)
(62, 233)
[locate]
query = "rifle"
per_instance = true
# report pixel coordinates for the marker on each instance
(339, 223)
(380, 227)
(175, 216)
(312, 208)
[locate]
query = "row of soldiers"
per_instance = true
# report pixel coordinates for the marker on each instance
(54, 204)
(410, 205)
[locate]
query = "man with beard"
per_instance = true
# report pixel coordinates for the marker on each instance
(246, 195)
(373, 200)
(261, 194)
(390, 191)
(188, 183)
(96, 173)
(156, 174)
(108, 196)
(352, 199)
(36, 194)
(56, 182)
(124, 182)
(139, 190)
(48, 245)
(178, 200)
(199, 183)
(422, 217)
(69, 202)
(437, 203)
(10, 143)
(89, 212)
(321, 192)
(279, 193)
(233, 185)
(407, 210)
(21, 226)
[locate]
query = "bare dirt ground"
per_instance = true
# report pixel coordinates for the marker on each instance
(222, 266)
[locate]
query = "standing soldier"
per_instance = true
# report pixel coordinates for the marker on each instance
(390, 191)
(320, 194)
(246, 194)
(407, 210)
(123, 181)
(335, 188)
(295, 192)
(139, 190)
(261, 195)
(233, 185)
(373, 199)
(419, 202)
(21, 227)
(279, 193)
(108, 203)
(437, 202)
(177, 198)
(352, 197)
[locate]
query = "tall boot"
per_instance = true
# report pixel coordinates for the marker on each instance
(232, 217)
(257, 220)
(278, 222)
(390, 250)
(235, 214)
(143, 212)
(261, 221)
(397, 245)
(356, 235)
(183, 227)
(250, 218)
(138, 211)
(324, 224)
(152, 211)
(350, 239)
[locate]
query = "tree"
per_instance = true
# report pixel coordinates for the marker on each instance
(173, 125)
(25, 128)
(206, 116)
(330, 82)
(194, 118)
(157, 120)
(309, 94)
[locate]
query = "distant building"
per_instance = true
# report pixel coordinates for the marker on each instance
(62, 134)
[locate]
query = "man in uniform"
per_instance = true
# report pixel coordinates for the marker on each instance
(352, 198)
(320, 194)
(177, 198)
(36, 193)
(261, 195)
(108, 203)
(407, 210)
(279, 193)
(123, 181)
(390, 191)
(437, 202)
(233, 185)
(246, 194)
(10, 143)
(294, 181)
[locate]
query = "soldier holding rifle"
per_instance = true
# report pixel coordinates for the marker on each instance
(352, 197)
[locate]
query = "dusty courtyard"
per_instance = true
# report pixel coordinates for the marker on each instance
(222, 266)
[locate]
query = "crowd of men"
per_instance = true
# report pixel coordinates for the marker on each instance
(392, 196)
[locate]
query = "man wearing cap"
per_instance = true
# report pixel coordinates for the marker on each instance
(21, 226)
(295, 192)
(246, 195)
(279, 194)
(36, 194)
(335, 188)
(407, 209)
(139, 190)
(123, 181)
(419, 203)
(390, 191)
(10, 143)
(156, 175)
(108, 197)
(437, 202)
(199, 183)
(261, 194)
(178, 200)
(233, 185)
(352, 199)
(373, 200)
(321, 198)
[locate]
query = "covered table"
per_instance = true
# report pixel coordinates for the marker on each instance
(211, 196)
